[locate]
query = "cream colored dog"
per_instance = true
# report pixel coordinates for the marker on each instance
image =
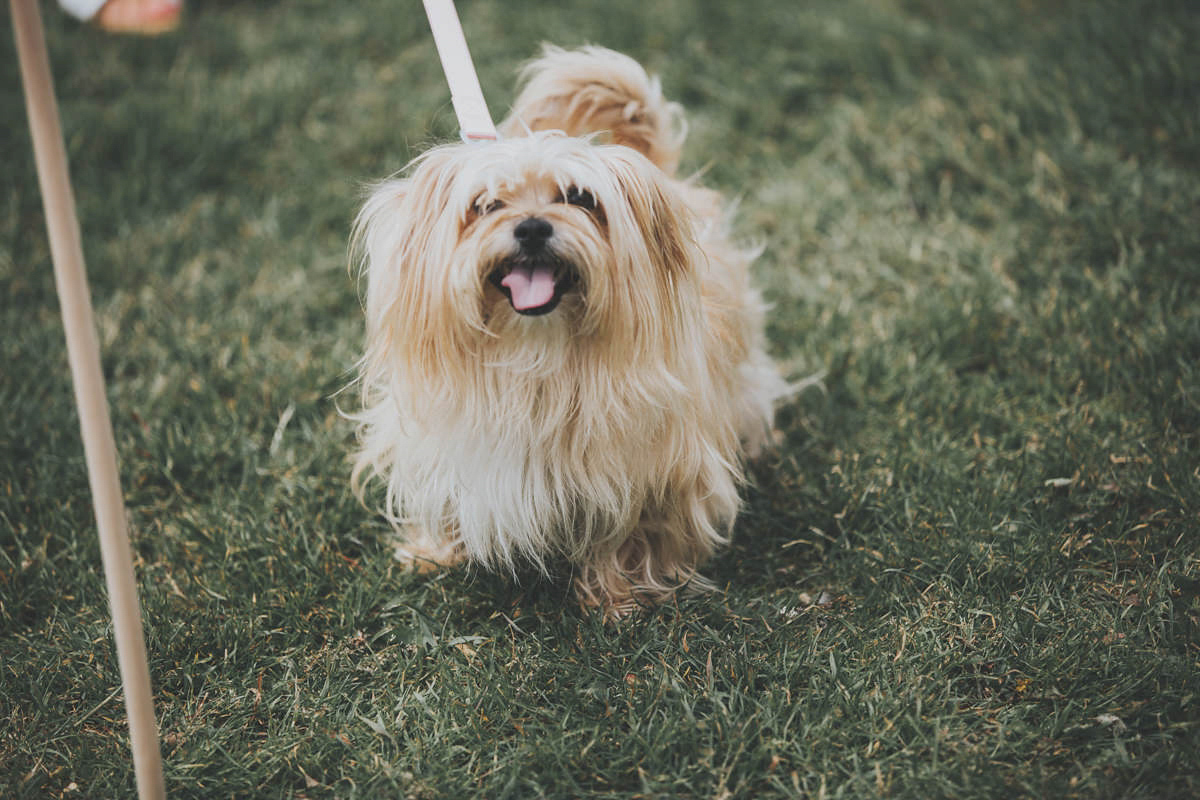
(564, 355)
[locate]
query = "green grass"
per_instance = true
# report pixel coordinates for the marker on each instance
(970, 569)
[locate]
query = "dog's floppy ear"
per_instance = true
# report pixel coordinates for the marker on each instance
(381, 230)
(659, 214)
(405, 235)
(398, 222)
(650, 301)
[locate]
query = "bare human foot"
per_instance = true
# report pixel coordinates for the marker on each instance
(144, 17)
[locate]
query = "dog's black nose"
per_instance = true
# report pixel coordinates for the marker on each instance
(532, 232)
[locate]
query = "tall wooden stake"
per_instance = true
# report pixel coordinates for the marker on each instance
(83, 354)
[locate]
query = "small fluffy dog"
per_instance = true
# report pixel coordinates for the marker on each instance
(564, 359)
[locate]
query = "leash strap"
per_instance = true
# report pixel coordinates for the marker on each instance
(474, 122)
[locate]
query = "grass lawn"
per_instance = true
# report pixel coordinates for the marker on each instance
(970, 569)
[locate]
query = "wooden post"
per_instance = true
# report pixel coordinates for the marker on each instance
(83, 354)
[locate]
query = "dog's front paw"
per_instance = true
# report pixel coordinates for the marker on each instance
(423, 553)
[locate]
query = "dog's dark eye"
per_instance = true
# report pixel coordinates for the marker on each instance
(580, 197)
(483, 207)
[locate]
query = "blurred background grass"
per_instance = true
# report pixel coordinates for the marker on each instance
(970, 570)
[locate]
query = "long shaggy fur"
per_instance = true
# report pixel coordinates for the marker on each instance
(609, 431)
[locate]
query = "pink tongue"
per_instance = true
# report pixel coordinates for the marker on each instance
(530, 287)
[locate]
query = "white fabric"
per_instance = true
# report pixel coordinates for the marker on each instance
(83, 9)
(474, 121)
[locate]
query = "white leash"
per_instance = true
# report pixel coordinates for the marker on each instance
(83, 355)
(474, 122)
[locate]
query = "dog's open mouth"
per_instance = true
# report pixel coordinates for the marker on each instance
(533, 286)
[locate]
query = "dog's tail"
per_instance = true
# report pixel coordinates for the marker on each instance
(593, 90)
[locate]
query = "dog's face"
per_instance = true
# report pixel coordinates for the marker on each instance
(532, 235)
(527, 237)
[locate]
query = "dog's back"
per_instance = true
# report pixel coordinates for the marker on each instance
(593, 90)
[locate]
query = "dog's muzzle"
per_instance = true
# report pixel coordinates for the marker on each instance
(534, 279)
